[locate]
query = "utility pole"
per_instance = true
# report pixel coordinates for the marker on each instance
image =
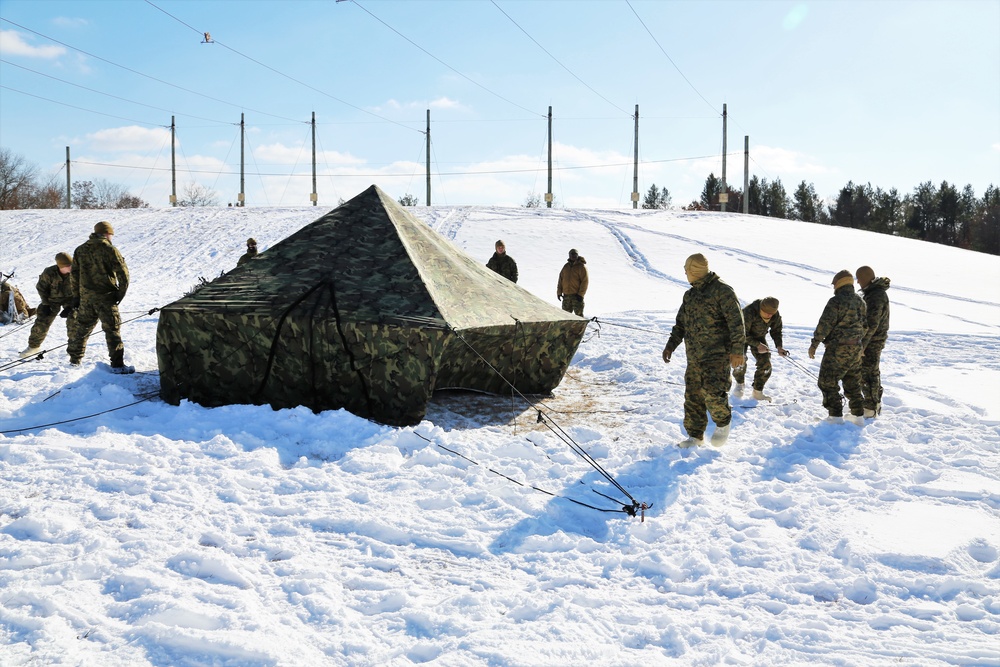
(548, 194)
(428, 157)
(746, 174)
(173, 163)
(635, 163)
(724, 195)
(69, 198)
(241, 198)
(313, 196)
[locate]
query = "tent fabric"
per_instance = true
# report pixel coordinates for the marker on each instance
(367, 309)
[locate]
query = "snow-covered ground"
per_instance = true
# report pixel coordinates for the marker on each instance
(162, 535)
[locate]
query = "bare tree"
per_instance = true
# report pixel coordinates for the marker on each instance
(17, 177)
(533, 200)
(408, 200)
(196, 194)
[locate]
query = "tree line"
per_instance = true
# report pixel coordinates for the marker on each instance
(937, 213)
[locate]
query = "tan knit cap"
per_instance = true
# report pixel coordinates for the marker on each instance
(696, 267)
(865, 274)
(64, 259)
(103, 227)
(842, 278)
(769, 305)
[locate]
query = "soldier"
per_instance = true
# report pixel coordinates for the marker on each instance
(250, 253)
(503, 263)
(842, 328)
(573, 283)
(759, 318)
(710, 324)
(55, 290)
(877, 305)
(99, 283)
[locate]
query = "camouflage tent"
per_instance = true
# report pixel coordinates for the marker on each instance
(367, 309)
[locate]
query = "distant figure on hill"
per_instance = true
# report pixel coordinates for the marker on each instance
(877, 305)
(503, 263)
(710, 324)
(842, 328)
(250, 253)
(573, 283)
(759, 318)
(55, 289)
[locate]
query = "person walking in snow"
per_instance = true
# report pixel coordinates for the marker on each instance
(759, 318)
(710, 324)
(250, 253)
(56, 293)
(99, 283)
(877, 305)
(503, 263)
(573, 283)
(842, 328)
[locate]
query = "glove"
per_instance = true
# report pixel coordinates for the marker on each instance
(559, 296)
(75, 304)
(666, 355)
(782, 351)
(812, 351)
(119, 297)
(67, 311)
(737, 360)
(44, 310)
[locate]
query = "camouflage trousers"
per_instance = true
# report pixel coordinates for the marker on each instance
(761, 374)
(40, 328)
(573, 303)
(841, 363)
(706, 392)
(871, 377)
(94, 307)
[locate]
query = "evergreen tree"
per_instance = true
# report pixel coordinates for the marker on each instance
(985, 232)
(755, 196)
(806, 205)
(921, 218)
(777, 200)
(887, 211)
(710, 193)
(656, 198)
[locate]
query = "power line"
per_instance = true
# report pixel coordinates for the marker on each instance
(557, 60)
(71, 106)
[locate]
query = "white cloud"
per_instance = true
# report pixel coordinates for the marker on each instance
(279, 153)
(70, 22)
(996, 146)
(129, 138)
(794, 18)
(441, 103)
(12, 43)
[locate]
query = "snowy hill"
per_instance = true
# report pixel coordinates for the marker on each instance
(162, 535)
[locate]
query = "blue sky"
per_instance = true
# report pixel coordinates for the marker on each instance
(891, 93)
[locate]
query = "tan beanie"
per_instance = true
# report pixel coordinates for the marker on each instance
(64, 259)
(103, 227)
(865, 275)
(842, 278)
(696, 267)
(769, 305)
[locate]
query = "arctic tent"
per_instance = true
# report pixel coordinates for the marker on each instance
(368, 309)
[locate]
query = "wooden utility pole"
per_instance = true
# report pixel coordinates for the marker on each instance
(69, 198)
(724, 195)
(428, 157)
(548, 193)
(746, 173)
(635, 163)
(241, 198)
(313, 196)
(173, 162)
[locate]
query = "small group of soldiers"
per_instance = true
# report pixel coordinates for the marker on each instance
(84, 288)
(717, 335)
(571, 286)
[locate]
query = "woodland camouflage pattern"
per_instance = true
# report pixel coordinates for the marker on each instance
(504, 265)
(55, 290)
(877, 315)
(842, 327)
(366, 309)
(99, 281)
(756, 331)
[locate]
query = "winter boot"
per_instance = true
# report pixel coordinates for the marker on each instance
(834, 419)
(759, 395)
(29, 352)
(691, 442)
(123, 369)
(720, 436)
(737, 390)
(869, 413)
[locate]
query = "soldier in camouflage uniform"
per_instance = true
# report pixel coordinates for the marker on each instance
(710, 324)
(877, 305)
(55, 290)
(842, 328)
(760, 318)
(250, 253)
(573, 283)
(503, 263)
(99, 283)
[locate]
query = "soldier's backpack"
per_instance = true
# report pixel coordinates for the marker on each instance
(13, 306)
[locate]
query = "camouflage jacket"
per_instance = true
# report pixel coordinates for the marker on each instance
(757, 328)
(573, 278)
(709, 321)
(54, 288)
(98, 267)
(246, 257)
(877, 304)
(504, 265)
(843, 320)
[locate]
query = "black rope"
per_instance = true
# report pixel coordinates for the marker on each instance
(76, 419)
(627, 326)
(20, 325)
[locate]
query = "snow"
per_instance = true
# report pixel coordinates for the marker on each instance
(180, 535)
